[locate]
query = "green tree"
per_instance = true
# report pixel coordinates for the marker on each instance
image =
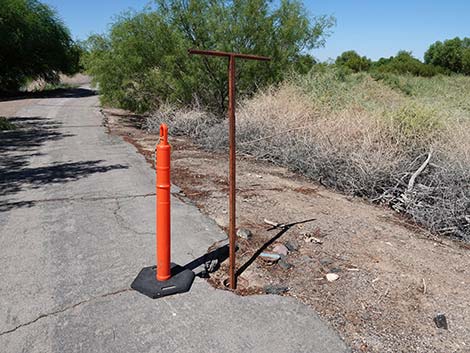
(405, 63)
(143, 60)
(451, 54)
(466, 61)
(34, 44)
(353, 61)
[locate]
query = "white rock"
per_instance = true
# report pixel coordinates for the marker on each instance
(244, 233)
(331, 277)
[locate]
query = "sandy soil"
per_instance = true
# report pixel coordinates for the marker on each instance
(393, 277)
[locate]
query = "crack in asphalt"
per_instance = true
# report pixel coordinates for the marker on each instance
(69, 307)
(100, 198)
(121, 221)
(75, 199)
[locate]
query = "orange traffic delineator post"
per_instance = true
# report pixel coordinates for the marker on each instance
(165, 278)
(163, 206)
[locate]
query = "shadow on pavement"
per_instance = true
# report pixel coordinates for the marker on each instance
(55, 93)
(18, 146)
(31, 133)
(15, 180)
(211, 261)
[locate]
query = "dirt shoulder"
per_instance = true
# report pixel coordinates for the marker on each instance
(393, 278)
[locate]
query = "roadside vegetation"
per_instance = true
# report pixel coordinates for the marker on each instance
(360, 136)
(143, 61)
(34, 45)
(5, 124)
(450, 56)
(395, 131)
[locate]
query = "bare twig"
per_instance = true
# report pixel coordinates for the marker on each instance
(274, 135)
(411, 183)
(274, 224)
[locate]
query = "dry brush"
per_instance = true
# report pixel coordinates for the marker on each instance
(359, 136)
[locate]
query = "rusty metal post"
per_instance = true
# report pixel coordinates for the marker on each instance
(232, 170)
(232, 147)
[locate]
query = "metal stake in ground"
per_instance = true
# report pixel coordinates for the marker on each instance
(231, 116)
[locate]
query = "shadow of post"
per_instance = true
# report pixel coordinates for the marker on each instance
(219, 255)
(258, 252)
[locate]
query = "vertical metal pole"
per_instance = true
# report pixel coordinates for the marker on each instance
(232, 176)
(231, 117)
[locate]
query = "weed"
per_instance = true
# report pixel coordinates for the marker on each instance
(5, 124)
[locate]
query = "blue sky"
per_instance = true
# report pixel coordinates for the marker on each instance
(374, 28)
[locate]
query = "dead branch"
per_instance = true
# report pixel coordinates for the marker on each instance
(411, 183)
(274, 135)
(274, 224)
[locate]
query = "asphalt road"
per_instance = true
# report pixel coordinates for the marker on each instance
(77, 224)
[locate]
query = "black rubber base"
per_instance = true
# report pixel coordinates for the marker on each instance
(146, 283)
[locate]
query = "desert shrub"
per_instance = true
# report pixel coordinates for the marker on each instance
(353, 61)
(328, 87)
(368, 152)
(359, 136)
(193, 123)
(448, 94)
(415, 121)
(394, 81)
(34, 44)
(143, 61)
(405, 63)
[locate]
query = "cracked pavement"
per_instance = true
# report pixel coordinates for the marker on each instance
(77, 224)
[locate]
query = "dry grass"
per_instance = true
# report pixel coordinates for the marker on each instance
(359, 136)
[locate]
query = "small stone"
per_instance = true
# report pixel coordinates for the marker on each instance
(275, 289)
(331, 277)
(291, 246)
(313, 240)
(270, 257)
(326, 261)
(244, 233)
(441, 321)
(211, 265)
(284, 264)
(281, 249)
